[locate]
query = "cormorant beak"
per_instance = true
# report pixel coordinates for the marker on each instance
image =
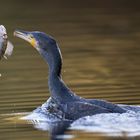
(28, 36)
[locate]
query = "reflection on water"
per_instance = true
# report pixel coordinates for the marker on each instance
(100, 47)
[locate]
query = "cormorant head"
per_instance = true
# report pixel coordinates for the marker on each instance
(38, 40)
(46, 46)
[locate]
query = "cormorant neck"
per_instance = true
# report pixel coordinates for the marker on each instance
(54, 59)
(59, 91)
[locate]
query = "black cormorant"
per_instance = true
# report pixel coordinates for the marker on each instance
(63, 102)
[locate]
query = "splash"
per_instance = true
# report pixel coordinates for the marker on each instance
(113, 124)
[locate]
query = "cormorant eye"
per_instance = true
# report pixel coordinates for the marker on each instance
(31, 36)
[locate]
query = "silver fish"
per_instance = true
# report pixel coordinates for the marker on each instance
(6, 47)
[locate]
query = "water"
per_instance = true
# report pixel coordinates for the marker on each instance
(100, 48)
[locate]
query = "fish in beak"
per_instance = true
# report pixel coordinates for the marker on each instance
(6, 47)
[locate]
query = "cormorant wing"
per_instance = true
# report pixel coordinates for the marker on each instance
(114, 108)
(78, 109)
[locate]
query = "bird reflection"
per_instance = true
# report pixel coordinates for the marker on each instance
(56, 130)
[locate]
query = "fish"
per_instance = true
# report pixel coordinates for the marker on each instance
(6, 47)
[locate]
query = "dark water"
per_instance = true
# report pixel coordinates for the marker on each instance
(100, 44)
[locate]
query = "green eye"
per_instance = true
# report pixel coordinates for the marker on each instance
(31, 36)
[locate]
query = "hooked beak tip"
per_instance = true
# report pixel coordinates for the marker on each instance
(16, 32)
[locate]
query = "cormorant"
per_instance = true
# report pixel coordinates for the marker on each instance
(6, 47)
(63, 102)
